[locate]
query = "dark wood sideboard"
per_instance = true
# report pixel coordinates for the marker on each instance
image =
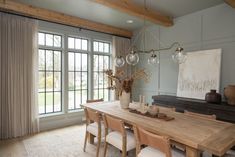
(222, 111)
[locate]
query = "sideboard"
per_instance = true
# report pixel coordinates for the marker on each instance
(223, 111)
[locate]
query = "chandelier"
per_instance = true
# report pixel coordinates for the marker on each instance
(132, 58)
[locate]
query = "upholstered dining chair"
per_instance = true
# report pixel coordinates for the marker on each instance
(117, 135)
(156, 145)
(94, 126)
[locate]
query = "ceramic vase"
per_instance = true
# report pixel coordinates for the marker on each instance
(213, 97)
(125, 99)
(229, 93)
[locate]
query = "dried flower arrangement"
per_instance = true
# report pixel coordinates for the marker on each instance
(121, 83)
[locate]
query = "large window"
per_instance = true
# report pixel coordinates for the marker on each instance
(71, 71)
(50, 72)
(101, 63)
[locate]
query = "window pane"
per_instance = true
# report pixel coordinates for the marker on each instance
(49, 81)
(49, 102)
(57, 60)
(49, 60)
(106, 48)
(95, 81)
(41, 81)
(57, 101)
(84, 80)
(101, 47)
(57, 41)
(106, 95)
(78, 80)
(78, 44)
(84, 96)
(57, 81)
(41, 38)
(96, 46)
(41, 102)
(96, 62)
(84, 45)
(95, 95)
(106, 62)
(78, 61)
(84, 62)
(78, 99)
(71, 100)
(101, 80)
(101, 93)
(49, 40)
(71, 43)
(71, 81)
(101, 63)
(41, 60)
(71, 61)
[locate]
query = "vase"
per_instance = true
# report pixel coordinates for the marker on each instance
(125, 99)
(213, 97)
(229, 93)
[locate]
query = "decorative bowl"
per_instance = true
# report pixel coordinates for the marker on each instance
(153, 110)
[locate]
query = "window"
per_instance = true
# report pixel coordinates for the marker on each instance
(67, 61)
(101, 60)
(77, 72)
(50, 73)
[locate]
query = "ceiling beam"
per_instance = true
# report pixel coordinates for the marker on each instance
(52, 16)
(230, 2)
(130, 8)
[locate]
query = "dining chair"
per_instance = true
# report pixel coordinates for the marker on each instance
(193, 114)
(94, 100)
(117, 135)
(94, 126)
(155, 145)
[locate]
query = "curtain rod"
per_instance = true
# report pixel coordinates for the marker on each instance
(7, 12)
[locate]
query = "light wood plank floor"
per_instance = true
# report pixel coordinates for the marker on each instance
(64, 142)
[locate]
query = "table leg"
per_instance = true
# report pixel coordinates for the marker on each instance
(91, 138)
(192, 152)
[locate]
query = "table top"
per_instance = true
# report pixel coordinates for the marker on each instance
(209, 135)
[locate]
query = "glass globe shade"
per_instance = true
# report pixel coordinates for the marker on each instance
(153, 59)
(119, 61)
(179, 56)
(132, 58)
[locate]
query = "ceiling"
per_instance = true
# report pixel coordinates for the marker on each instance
(96, 12)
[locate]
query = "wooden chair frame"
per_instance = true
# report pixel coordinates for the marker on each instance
(95, 100)
(115, 125)
(193, 114)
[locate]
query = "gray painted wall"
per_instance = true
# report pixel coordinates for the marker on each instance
(207, 29)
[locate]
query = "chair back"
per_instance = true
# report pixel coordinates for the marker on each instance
(144, 137)
(95, 100)
(211, 117)
(114, 124)
(92, 115)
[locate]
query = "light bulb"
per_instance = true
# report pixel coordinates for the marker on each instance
(119, 61)
(179, 56)
(153, 59)
(132, 58)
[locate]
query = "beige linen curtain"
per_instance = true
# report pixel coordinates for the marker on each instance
(18, 67)
(121, 46)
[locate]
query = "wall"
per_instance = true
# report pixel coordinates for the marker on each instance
(207, 29)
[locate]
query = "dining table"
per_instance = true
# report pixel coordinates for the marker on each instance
(197, 134)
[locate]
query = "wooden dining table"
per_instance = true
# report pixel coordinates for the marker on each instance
(196, 134)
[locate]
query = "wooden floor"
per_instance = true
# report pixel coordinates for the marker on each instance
(65, 142)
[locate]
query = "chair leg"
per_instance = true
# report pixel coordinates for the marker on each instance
(85, 142)
(98, 146)
(105, 148)
(124, 153)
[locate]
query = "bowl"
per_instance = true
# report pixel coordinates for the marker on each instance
(153, 110)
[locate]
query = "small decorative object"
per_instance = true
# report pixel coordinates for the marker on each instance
(213, 97)
(229, 93)
(124, 84)
(153, 110)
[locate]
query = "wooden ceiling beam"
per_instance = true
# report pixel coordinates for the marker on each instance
(52, 16)
(230, 2)
(130, 8)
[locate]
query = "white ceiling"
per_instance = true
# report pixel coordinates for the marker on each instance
(92, 11)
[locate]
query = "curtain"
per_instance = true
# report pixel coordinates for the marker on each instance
(18, 74)
(121, 46)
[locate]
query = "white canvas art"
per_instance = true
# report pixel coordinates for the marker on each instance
(199, 74)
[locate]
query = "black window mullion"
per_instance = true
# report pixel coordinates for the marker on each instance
(81, 79)
(74, 64)
(45, 78)
(53, 79)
